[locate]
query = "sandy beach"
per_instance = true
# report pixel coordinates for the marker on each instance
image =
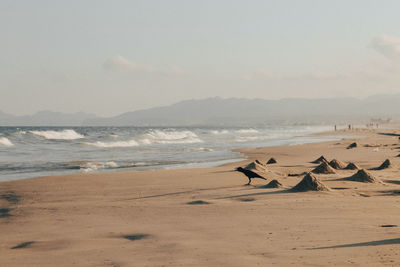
(208, 217)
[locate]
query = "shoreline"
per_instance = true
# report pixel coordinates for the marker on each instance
(195, 165)
(207, 217)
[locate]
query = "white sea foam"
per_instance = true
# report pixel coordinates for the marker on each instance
(111, 164)
(169, 137)
(67, 134)
(242, 139)
(94, 166)
(205, 149)
(216, 132)
(91, 166)
(129, 143)
(5, 142)
(247, 131)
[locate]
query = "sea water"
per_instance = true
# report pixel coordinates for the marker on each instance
(39, 151)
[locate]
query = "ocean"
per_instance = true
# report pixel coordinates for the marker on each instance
(40, 151)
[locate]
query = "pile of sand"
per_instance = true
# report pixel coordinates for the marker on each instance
(272, 161)
(352, 145)
(352, 166)
(324, 168)
(337, 164)
(256, 165)
(273, 184)
(385, 165)
(363, 176)
(310, 183)
(320, 160)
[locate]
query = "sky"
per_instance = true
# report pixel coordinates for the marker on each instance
(109, 57)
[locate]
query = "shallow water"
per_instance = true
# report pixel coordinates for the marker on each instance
(39, 151)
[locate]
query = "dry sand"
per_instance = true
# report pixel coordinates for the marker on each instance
(207, 217)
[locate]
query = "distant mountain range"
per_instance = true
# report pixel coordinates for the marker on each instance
(230, 112)
(45, 118)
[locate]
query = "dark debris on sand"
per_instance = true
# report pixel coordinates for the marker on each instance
(246, 199)
(23, 245)
(352, 145)
(5, 212)
(11, 197)
(136, 237)
(198, 202)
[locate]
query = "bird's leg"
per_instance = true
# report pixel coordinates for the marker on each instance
(249, 182)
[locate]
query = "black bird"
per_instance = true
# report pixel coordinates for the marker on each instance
(249, 174)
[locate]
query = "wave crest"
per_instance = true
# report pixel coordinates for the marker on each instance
(67, 134)
(129, 143)
(170, 137)
(5, 142)
(247, 131)
(217, 132)
(199, 149)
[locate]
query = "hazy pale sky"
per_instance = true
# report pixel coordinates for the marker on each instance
(108, 57)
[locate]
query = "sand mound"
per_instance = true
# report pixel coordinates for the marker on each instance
(363, 176)
(352, 145)
(320, 160)
(310, 183)
(256, 165)
(272, 161)
(273, 184)
(337, 164)
(352, 166)
(324, 168)
(385, 165)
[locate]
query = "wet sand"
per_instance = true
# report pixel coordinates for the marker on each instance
(208, 217)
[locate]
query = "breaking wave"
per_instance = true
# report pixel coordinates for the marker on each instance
(94, 166)
(216, 132)
(129, 143)
(199, 149)
(247, 131)
(58, 135)
(170, 137)
(5, 142)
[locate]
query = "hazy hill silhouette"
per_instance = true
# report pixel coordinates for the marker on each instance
(230, 112)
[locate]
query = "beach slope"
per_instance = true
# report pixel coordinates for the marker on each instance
(209, 217)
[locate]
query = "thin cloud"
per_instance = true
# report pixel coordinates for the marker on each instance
(387, 45)
(121, 64)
